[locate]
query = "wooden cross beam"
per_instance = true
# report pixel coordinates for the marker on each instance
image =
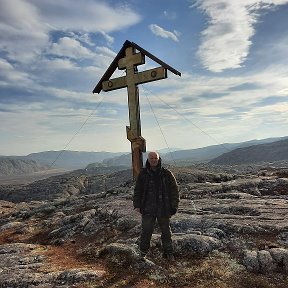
(132, 78)
(129, 59)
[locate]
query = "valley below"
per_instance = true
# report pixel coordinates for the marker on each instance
(29, 178)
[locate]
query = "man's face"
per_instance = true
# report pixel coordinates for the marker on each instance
(153, 159)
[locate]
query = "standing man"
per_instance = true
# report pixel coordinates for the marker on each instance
(156, 197)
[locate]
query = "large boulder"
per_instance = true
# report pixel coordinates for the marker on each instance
(195, 245)
(266, 261)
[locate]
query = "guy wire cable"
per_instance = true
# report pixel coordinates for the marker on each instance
(71, 139)
(171, 155)
(211, 137)
(76, 133)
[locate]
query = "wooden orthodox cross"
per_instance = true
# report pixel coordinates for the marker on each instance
(129, 59)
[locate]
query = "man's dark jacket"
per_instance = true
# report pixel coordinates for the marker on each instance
(156, 192)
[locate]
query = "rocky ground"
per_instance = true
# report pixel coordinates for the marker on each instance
(79, 230)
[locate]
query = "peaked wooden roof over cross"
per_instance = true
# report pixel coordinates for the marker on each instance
(114, 65)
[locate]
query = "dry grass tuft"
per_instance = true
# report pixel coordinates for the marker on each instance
(66, 257)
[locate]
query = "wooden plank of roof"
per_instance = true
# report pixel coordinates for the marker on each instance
(154, 58)
(114, 65)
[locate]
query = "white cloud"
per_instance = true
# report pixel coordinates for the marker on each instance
(20, 23)
(108, 38)
(82, 37)
(51, 130)
(159, 31)
(29, 23)
(53, 95)
(8, 74)
(86, 15)
(104, 51)
(59, 64)
(227, 39)
(69, 47)
(220, 107)
(25, 41)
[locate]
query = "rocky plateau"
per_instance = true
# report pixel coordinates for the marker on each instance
(79, 229)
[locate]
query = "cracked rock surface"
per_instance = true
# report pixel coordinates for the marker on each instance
(80, 230)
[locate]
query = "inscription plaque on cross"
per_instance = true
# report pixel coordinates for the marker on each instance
(128, 59)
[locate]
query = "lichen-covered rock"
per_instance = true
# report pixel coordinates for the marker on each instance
(215, 232)
(283, 238)
(16, 248)
(124, 224)
(230, 214)
(126, 257)
(266, 261)
(277, 186)
(70, 277)
(120, 254)
(197, 245)
(12, 225)
(249, 186)
(280, 255)
(250, 261)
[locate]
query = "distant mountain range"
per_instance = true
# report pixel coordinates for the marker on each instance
(269, 149)
(268, 152)
(71, 159)
(15, 165)
(188, 156)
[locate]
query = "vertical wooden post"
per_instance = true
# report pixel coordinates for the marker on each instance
(130, 63)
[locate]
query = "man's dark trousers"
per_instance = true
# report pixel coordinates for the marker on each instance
(148, 223)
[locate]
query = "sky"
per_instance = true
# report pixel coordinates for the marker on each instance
(232, 56)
